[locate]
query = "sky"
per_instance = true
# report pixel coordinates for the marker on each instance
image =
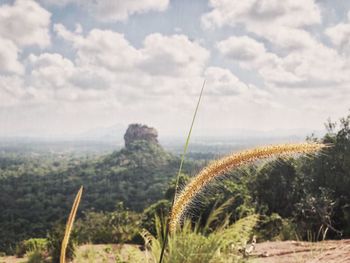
(70, 66)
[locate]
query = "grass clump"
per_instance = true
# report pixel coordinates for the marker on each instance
(198, 242)
(191, 245)
(36, 256)
(32, 244)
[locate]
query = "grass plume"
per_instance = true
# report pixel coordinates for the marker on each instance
(219, 167)
(69, 225)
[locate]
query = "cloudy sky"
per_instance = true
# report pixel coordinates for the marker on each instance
(73, 65)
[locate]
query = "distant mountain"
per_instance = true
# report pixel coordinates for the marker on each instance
(112, 133)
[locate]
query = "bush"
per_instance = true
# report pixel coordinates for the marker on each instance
(160, 209)
(269, 227)
(191, 245)
(108, 227)
(33, 244)
(55, 237)
(36, 257)
(289, 230)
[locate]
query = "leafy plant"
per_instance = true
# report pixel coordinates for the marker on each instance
(36, 256)
(194, 244)
(32, 244)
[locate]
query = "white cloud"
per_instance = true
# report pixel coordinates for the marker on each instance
(160, 56)
(318, 66)
(9, 57)
(101, 48)
(25, 23)
(257, 13)
(108, 70)
(54, 79)
(340, 36)
(106, 10)
(222, 82)
(50, 71)
(302, 61)
(280, 22)
(172, 55)
(11, 90)
(121, 10)
(243, 49)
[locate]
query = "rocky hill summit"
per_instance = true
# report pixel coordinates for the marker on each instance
(137, 132)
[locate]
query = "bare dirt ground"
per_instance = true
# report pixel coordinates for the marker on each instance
(12, 259)
(267, 252)
(302, 252)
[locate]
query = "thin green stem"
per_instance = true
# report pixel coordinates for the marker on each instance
(179, 171)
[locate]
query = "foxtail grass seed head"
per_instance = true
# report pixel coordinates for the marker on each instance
(69, 225)
(219, 167)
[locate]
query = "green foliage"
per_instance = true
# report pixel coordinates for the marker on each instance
(329, 180)
(269, 227)
(314, 212)
(288, 231)
(238, 234)
(160, 209)
(32, 244)
(54, 240)
(36, 192)
(194, 244)
(280, 176)
(36, 256)
(313, 193)
(119, 226)
(296, 197)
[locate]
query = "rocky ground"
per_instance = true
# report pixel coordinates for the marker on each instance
(302, 252)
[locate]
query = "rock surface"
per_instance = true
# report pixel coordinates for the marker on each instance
(330, 251)
(137, 132)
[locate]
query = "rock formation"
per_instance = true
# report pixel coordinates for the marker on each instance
(137, 132)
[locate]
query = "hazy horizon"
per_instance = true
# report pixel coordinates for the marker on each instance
(116, 133)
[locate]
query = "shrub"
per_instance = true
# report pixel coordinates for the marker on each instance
(55, 237)
(36, 256)
(159, 209)
(269, 227)
(33, 244)
(193, 243)
(289, 230)
(119, 226)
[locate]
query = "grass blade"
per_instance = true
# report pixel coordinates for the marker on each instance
(69, 225)
(180, 169)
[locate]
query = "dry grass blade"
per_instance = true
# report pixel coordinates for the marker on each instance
(180, 169)
(69, 225)
(232, 161)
